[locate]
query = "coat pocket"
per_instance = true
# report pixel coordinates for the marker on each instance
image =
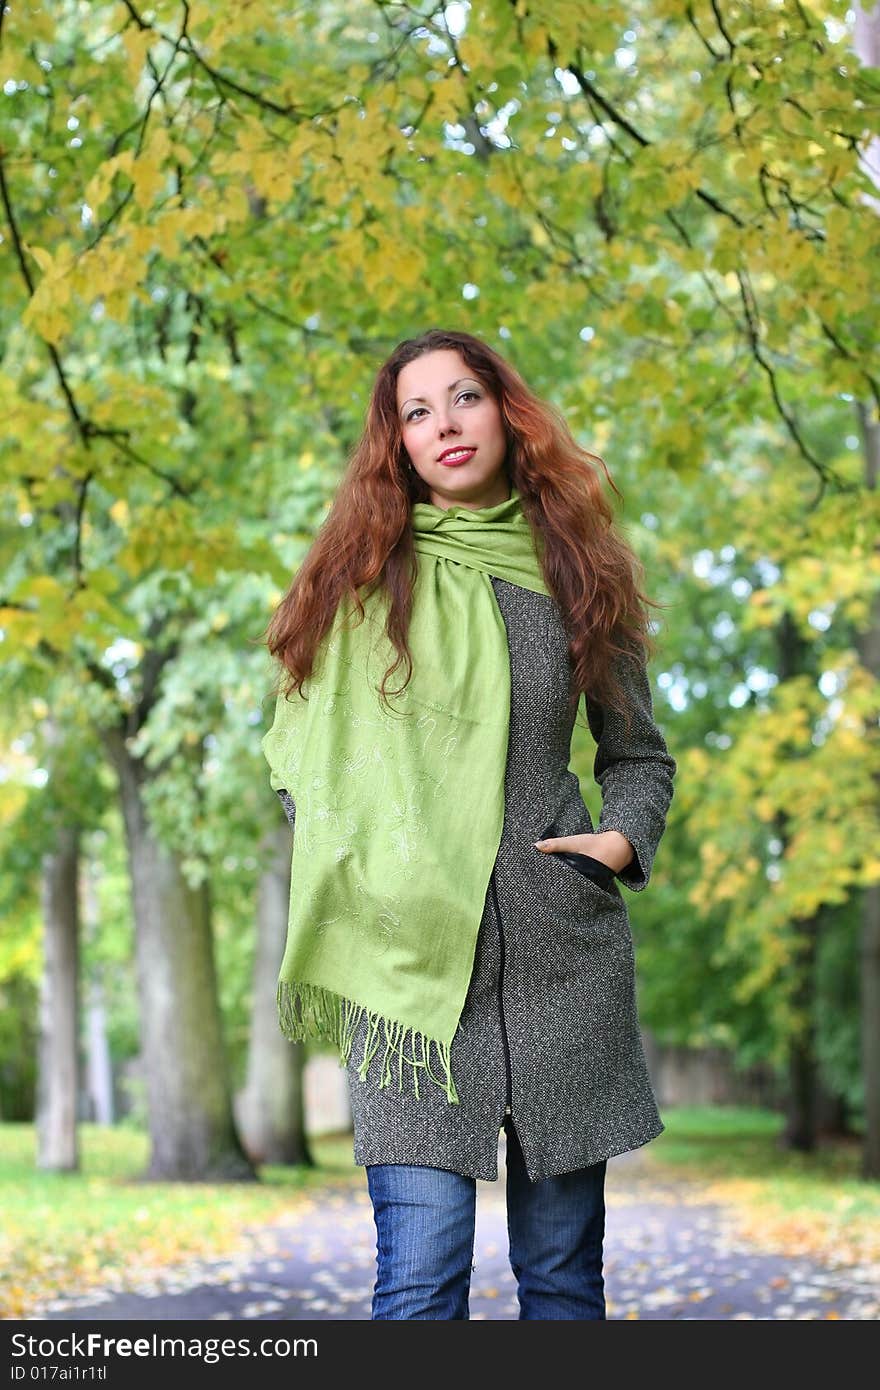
(585, 864)
(602, 875)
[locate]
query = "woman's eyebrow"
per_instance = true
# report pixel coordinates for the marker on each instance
(449, 388)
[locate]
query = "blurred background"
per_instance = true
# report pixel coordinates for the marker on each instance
(216, 223)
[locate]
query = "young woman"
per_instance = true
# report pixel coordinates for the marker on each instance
(456, 924)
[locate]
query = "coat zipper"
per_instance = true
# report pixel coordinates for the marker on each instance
(507, 1108)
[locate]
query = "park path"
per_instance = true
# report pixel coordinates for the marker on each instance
(668, 1255)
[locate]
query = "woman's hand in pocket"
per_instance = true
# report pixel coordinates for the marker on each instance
(608, 846)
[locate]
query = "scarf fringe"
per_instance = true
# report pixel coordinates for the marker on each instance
(310, 1011)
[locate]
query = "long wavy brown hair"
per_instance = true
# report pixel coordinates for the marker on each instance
(366, 538)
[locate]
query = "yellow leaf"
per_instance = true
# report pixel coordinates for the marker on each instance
(136, 44)
(538, 234)
(46, 320)
(536, 42)
(141, 238)
(408, 266)
(42, 257)
(149, 180)
(166, 235)
(44, 586)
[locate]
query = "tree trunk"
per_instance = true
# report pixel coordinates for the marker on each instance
(58, 1083)
(192, 1131)
(867, 46)
(869, 655)
(99, 1066)
(270, 1110)
(802, 1105)
(832, 1119)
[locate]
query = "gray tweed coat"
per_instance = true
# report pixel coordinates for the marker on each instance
(549, 1037)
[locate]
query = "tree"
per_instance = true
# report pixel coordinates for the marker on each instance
(867, 46)
(57, 1146)
(218, 221)
(271, 1109)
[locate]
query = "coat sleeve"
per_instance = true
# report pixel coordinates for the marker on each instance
(635, 772)
(289, 807)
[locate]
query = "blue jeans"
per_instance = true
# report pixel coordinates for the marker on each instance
(425, 1240)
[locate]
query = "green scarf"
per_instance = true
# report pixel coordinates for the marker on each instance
(399, 815)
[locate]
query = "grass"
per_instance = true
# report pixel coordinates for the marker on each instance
(64, 1232)
(67, 1233)
(811, 1204)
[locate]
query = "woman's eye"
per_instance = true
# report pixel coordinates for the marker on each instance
(413, 413)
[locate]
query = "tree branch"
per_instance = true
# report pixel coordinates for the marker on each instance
(751, 319)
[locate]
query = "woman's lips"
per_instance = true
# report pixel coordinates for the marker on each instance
(456, 460)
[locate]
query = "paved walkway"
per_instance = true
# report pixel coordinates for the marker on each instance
(668, 1255)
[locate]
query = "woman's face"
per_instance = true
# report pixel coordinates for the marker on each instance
(443, 407)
